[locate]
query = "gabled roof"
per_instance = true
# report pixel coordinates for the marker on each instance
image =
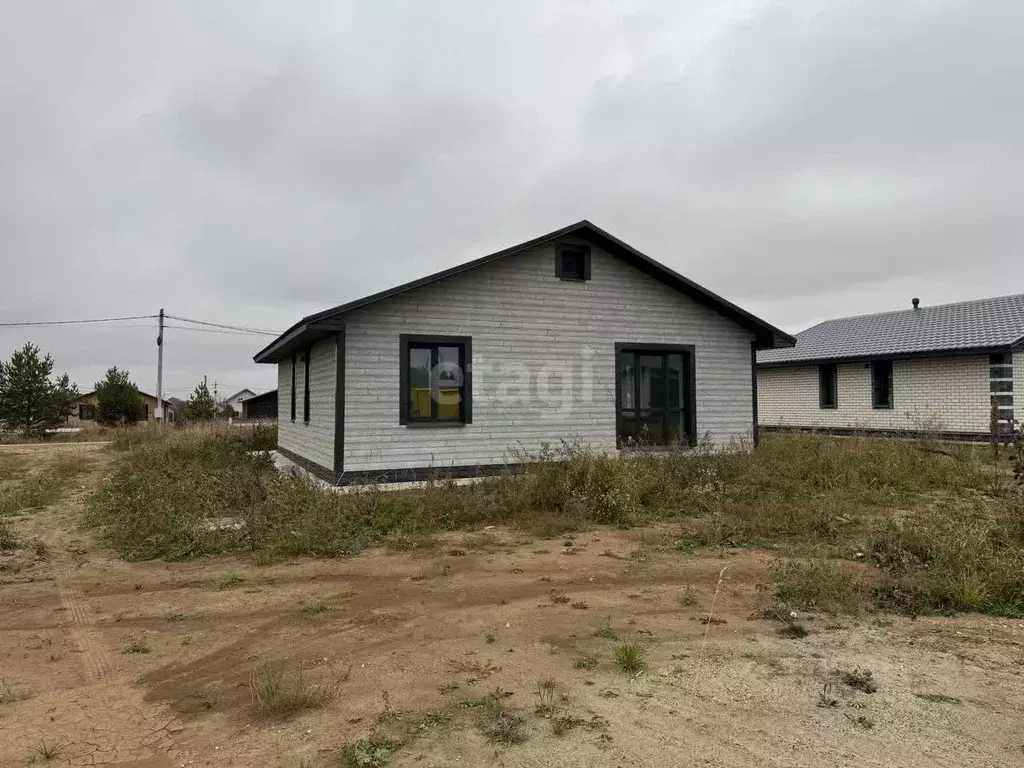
(93, 392)
(322, 324)
(239, 392)
(964, 327)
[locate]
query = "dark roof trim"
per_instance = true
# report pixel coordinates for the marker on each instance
(767, 336)
(269, 395)
(93, 392)
(963, 352)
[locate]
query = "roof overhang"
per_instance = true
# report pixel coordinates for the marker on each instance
(299, 337)
(317, 326)
(932, 353)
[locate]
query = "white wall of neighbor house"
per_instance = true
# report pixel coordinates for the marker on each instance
(313, 440)
(949, 394)
(533, 333)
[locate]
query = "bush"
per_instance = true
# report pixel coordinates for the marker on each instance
(958, 557)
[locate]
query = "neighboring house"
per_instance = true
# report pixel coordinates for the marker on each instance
(236, 400)
(84, 409)
(260, 406)
(938, 369)
(571, 336)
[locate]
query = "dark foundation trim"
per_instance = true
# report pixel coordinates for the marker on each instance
(960, 437)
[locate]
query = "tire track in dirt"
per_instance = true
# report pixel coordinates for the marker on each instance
(94, 655)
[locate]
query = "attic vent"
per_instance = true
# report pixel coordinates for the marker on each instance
(916, 302)
(572, 262)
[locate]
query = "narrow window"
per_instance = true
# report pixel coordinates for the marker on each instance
(293, 388)
(572, 262)
(655, 398)
(881, 384)
(305, 389)
(435, 380)
(828, 386)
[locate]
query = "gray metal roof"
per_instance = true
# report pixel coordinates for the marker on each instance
(966, 325)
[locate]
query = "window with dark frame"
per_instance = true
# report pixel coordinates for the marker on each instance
(881, 384)
(436, 380)
(572, 262)
(828, 386)
(655, 396)
(293, 388)
(305, 388)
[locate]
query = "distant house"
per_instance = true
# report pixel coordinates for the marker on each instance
(84, 409)
(949, 369)
(236, 400)
(573, 335)
(260, 406)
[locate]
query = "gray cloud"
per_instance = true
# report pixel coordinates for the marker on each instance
(249, 163)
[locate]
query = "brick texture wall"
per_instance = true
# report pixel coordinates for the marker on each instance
(946, 394)
(529, 330)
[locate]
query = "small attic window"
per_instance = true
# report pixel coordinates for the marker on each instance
(572, 262)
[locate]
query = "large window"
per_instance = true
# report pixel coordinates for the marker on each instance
(435, 381)
(655, 395)
(881, 384)
(828, 386)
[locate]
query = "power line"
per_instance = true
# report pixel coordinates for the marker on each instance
(213, 330)
(79, 322)
(245, 329)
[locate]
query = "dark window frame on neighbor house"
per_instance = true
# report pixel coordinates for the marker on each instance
(881, 385)
(572, 262)
(828, 386)
(433, 345)
(630, 409)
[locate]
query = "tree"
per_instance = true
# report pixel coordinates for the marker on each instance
(29, 400)
(117, 399)
(201, 406)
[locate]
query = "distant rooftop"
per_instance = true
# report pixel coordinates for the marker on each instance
(981, 324)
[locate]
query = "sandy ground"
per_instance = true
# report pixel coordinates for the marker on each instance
(417, 632)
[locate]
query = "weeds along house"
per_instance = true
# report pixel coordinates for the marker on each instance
(949, 369)
(571, 336)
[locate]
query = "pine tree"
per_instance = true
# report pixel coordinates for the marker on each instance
(201, 406)
(117, 398)
(29, 400)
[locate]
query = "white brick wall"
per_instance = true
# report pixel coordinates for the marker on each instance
(315, 440)
(947, 394)
(1018, 387)
(522, 318)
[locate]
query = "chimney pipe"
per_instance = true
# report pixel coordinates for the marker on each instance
(916, 302)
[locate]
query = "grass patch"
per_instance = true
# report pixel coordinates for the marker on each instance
(8, 540)
(372, 752)
(631, 657)
(585, 662)
(820, 584)
(23, 492)
(47, 750)
(137, 645)
(279, 691)
(859, 679)
(314, 610)
(606, 633)
(959, 556)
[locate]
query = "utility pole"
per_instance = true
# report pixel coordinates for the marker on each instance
(159, 415)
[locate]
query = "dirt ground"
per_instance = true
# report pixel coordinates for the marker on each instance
(408, 635)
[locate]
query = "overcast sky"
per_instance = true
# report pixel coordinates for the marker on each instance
(251, 162)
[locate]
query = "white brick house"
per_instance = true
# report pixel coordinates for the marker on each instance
(948, 369)
(571, 336)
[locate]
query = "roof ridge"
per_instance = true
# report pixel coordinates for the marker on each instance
(984, 300)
